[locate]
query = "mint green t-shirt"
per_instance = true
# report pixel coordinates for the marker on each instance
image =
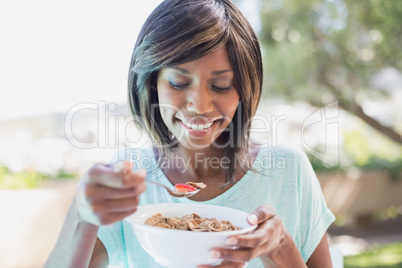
(285, 179)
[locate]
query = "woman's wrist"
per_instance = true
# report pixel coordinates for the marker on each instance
(75, 243)
(285, 254)
(80, 227)
(79, 219)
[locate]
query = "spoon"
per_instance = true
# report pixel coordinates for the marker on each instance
(174, 192)
(120, 167)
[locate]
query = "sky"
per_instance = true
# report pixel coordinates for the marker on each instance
(57, 54)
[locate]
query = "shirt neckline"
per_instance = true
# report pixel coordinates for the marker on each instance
(164, 180)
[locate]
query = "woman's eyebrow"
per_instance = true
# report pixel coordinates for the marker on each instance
(214, 73)
(182, 70)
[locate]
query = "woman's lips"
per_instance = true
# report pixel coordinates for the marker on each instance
(194, 131)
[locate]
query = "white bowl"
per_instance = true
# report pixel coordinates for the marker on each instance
(185, 249)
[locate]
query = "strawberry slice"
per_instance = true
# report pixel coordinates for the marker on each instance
(184, 188)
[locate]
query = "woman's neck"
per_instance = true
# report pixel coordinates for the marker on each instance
(194, 165)
(183, 164)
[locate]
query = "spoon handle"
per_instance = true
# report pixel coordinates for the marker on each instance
(159, 184)
(172, 192)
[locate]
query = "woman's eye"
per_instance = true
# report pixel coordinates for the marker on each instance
(221, 89)
(178, 86)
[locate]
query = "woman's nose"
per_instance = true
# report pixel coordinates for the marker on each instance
(200, 101)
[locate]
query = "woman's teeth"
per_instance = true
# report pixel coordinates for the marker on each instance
(198, 127)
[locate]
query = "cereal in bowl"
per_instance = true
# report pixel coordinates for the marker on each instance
(191, 222)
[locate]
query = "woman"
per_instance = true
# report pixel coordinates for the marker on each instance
(194, 85)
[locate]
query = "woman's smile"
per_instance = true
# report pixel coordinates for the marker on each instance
(198, 128)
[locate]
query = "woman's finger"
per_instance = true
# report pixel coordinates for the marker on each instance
(98, 192)
(260, 236)
(108, 176)
(241, 255)
(261, 214)
(114, 205)
(226, 264)
(116, 216)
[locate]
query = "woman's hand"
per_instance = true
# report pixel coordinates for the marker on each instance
(270, 241)
(109, 193)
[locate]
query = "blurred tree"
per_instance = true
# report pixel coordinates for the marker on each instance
(327, 50)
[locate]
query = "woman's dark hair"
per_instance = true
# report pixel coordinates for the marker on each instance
(180, 31)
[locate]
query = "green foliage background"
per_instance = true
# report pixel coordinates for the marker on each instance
(321, 51)
(317, 47)
(385, 256)
(28, 179)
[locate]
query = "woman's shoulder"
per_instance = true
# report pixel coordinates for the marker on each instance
(281, 150)
(280, 158)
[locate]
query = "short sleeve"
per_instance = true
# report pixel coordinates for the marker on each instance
(315, 215)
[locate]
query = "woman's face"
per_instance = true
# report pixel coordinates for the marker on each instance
(197, 100)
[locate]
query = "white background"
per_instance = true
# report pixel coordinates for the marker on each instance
(57, 54)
